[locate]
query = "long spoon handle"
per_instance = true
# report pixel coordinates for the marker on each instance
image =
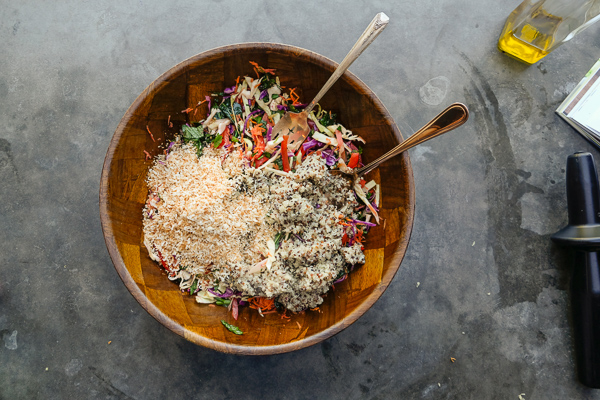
(373, 30)
(452, 117)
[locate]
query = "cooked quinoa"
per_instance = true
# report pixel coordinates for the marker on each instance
(215, 220)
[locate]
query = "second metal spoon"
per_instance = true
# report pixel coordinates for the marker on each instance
(452, 117)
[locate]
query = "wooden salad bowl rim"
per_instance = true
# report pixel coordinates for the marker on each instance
(158, 314)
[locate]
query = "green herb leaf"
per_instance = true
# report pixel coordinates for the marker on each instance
(327, 119)
(268, 81)
(225, 112)
(192, 132)
(279, 163)
(237, 109)
(217, 141)
(277, 240)
(232, 328)
(195, 134)
(194, 286)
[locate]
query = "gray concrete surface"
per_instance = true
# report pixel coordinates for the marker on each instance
(481, 281)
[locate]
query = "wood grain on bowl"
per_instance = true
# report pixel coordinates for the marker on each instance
(145, 127)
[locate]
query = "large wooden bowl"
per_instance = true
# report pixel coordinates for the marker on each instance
(123, 192)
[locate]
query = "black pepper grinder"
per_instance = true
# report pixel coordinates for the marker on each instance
(582, 235)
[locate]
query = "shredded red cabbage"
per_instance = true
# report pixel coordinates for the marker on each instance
(374, 205)
(299, 238)
(330, 158)
(228, 293)
(209, 104)
(269, 130)
(310, 144)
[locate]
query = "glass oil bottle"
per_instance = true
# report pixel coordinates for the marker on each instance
(536, 27)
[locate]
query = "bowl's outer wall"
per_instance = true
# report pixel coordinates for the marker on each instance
(145, 127)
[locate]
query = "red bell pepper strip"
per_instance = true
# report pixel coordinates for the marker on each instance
(354, 158)
(260, 161)
(340, 142)
(226, 136)
(285, 161)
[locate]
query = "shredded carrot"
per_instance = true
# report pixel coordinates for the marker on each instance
(259, 140)
(284, 314)
(299, 326)
(258, 68)
(256, 130)
(169, 122)
(187, 110)
(261, 302)
(294, 97)
(148, 156)
(359, 236)
(152, 136)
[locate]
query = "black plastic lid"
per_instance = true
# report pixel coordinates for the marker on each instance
(583, 203)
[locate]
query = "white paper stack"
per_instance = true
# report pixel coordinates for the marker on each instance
(581, 109)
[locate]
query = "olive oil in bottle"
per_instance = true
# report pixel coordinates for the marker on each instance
(536, 27)
(529, 40)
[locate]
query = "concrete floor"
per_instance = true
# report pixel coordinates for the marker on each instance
(481, 281)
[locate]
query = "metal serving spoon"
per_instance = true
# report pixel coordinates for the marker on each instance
(452, 117)
(296, 124)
